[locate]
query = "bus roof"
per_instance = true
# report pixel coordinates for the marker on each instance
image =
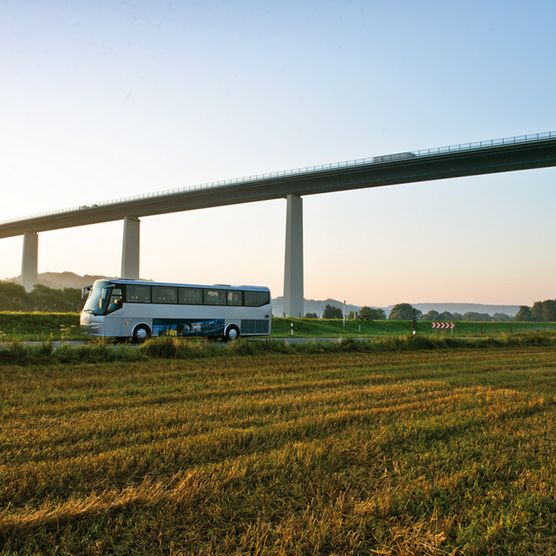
(174, 284)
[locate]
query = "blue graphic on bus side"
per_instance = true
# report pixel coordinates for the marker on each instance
(188, 327)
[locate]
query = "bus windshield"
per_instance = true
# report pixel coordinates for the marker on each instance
(98, 298)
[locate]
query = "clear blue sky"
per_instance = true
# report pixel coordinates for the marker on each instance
(106, 99)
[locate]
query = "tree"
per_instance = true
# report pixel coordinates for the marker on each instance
(404, 311)
(13, 297)
(311, 316)
(48, 299)
(370, 313)
(524, 314)
(457, 316)
(332, 312)
(472, 316)
(549, 310)
(536, 311)
(446, 316)
(431, 315)
(501, 317)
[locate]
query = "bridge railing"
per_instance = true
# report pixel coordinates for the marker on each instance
(381, 159)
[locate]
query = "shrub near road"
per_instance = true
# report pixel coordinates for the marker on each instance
(413, 453)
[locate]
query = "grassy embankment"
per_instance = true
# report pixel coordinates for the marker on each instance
(441, 452)
(41, 326)
(335, 327)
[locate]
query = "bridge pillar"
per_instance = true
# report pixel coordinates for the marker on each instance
(293, 271)
(130, 248)
(29, 263)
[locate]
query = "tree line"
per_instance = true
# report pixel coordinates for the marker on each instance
(13, 297)
(541, 311)
(405, 311)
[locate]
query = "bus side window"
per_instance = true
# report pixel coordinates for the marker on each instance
(138, 294)
(165, 294)
(234, 297)
(256, 299)
(191, 296)
(215, 297)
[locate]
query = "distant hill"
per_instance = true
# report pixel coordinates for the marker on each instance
(311, 306)
(59, 280)
(463, 308)
(317, 306)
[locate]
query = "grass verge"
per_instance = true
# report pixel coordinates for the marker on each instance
(16, 352)
(45, 326)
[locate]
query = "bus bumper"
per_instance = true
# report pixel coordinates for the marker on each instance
(92, 330)
(91, 326)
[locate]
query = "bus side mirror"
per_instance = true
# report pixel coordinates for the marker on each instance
(86, 291)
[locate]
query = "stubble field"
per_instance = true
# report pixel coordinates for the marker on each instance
(425, 452)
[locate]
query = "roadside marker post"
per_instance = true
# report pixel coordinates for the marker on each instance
(344, 313)
(443, 325)
(291, 328)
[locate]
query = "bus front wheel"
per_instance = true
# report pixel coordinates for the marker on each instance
(232, 333)
(141, 333)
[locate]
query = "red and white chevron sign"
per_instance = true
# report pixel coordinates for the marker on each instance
(443, 324)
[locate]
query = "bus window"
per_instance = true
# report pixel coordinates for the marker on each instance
(138, 294)
(164, 294)
(191, 296)
(234, 297)
(256, 299)
(215, 297)
(115, 302)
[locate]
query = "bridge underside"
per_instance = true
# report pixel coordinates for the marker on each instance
(505, 158)
(388, 170)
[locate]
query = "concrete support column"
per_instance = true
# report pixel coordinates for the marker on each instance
(130, 248)
(293, 274)
(29, 263)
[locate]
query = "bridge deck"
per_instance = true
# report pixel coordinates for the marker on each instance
(497, 155)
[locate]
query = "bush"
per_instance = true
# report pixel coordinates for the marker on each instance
(244, 347)
(165, 347)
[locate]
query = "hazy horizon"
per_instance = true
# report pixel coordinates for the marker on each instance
(110, 100)
(330, 297)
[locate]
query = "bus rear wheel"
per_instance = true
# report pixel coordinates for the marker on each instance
(141, 333)
(232, 333)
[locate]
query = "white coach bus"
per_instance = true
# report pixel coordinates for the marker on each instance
(138, 309)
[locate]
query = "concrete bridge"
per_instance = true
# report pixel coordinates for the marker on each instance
(483, 157)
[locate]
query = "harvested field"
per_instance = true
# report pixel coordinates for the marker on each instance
(426, 452)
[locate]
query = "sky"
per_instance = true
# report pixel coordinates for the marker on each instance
(100, 100)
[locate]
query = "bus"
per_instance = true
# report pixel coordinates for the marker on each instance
(139, 309)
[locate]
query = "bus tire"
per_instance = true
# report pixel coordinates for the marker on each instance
(141, 333)
(232, 333)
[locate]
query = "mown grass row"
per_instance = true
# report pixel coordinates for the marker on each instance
(17, 352)
(384, 452)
